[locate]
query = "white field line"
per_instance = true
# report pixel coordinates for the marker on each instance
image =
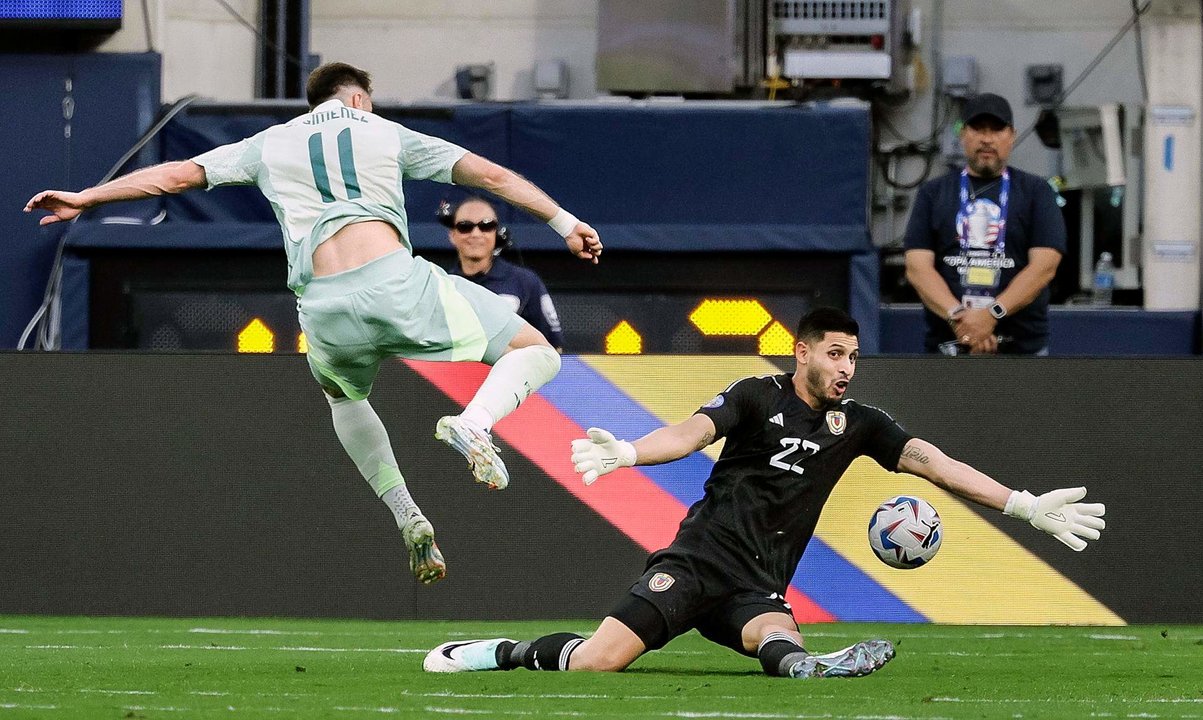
(15, 706)
(572, 696)
(24, 631)
(677, 714)
(300, 648)
(228, 708)
(221, 631)
(467, 711)
(225, 693)
(778, 716)
(960, 653)
(975, 633)
(538, 696)
(98, 691)
(228, 647)
(1100, 700)
(201, 630)
(202, 693)
(682, 652)
(1112, 637)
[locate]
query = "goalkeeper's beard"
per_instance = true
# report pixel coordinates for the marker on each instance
(814, 384)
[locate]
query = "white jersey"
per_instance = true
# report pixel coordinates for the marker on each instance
(327, 169)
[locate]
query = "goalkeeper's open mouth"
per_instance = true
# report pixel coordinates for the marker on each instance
(841, 387)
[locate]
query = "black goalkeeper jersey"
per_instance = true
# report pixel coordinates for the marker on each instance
(780, 463)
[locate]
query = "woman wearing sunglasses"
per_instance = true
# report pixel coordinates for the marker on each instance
(479, 238)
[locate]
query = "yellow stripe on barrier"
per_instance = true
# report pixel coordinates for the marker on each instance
(980, 576)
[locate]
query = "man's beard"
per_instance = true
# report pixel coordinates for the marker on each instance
(813, 378)
(986, 170)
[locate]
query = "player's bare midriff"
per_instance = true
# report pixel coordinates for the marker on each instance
(355, 245)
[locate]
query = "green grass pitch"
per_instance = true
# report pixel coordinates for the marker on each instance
(135, 668)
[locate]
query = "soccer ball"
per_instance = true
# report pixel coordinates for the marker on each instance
(905, 532)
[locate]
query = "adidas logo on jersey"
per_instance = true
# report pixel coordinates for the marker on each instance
(778, 419)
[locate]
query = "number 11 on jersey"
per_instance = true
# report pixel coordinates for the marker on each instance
(346, 163)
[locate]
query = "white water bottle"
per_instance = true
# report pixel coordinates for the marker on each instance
(1104, 280)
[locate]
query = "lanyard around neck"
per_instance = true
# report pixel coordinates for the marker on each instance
(1004, 196)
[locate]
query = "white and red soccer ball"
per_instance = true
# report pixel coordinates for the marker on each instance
(905, 532)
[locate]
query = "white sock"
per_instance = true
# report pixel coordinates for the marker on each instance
(513, 378)
(364, 438)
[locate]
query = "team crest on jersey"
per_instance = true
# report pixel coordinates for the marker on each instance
(716, 402)
(660, 582)
(836, 421)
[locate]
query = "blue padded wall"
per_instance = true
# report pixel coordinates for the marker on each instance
(704, 178)
(112, 99)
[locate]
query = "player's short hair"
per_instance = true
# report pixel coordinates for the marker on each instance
(325, 81)
(822, 320)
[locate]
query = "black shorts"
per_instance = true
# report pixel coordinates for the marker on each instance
(670, 600)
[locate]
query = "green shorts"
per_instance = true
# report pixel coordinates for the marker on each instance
(398, 306)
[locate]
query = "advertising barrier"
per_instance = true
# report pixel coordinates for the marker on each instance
(139, 484)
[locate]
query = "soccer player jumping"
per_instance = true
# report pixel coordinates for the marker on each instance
(333, 177)
(789, 439)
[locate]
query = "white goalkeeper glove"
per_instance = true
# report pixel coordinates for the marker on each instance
(600, 455)
(1059, 514)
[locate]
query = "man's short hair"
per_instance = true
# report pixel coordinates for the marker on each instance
(325, 81)
(822, 320)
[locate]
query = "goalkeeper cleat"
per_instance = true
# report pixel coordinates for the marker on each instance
(463, 656)
(477, 446)
(425, 560)
(855, 661)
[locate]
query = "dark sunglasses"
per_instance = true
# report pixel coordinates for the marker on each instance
(465, 226)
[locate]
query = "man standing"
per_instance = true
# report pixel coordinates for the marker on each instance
(983, 243)
(333, 177)
(790, 438)
(479, 238)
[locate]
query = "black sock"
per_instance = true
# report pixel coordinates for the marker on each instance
(505, 653)
(778, 652)
(550, 652)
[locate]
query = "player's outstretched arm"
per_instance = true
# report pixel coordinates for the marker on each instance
(602, 453)
(1056, 512)
(172, 177)
(475, 171)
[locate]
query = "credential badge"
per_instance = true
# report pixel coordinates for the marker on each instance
(660, 582)
(836, 421)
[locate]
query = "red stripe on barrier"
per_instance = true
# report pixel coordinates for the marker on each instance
(627, 499)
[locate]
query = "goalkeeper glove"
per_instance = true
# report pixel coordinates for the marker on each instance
(601, 454)
(1059, 514)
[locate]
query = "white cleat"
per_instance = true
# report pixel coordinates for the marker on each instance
(425, 560)
(463, 656)
(855, 661)
(477, 446)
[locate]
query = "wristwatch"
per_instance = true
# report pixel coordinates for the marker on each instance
(998, 311)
